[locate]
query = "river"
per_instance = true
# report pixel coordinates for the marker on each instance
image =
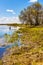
(4, 29)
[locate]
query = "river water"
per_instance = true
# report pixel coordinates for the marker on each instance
(4, 29)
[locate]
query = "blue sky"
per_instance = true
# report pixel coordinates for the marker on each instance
(16, 5)
(10, 9)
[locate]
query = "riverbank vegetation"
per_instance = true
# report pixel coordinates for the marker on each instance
(11, 38)
(24, 55)
(31, 52)
(32, 35)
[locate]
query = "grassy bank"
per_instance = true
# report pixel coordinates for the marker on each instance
(33, 35)
(32, 51)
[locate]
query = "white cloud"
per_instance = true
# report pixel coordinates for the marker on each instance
(33, 0)
(6, 20)
(10, 11)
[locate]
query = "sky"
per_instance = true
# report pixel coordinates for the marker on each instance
(10, 9)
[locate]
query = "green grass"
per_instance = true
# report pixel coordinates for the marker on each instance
(34, 35)
(11, 38)
(1, 63)
(32, 51)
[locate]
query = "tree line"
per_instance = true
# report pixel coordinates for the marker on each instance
(32, 15)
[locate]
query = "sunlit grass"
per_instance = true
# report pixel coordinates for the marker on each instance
(32, 51)
(32, 34)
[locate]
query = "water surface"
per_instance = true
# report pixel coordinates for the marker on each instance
(6, 30)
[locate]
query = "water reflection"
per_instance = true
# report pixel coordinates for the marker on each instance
(3, 49)
(7, 30)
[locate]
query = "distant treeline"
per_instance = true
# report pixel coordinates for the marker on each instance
(14, 24)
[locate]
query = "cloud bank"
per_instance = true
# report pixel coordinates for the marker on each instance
(9, 20)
